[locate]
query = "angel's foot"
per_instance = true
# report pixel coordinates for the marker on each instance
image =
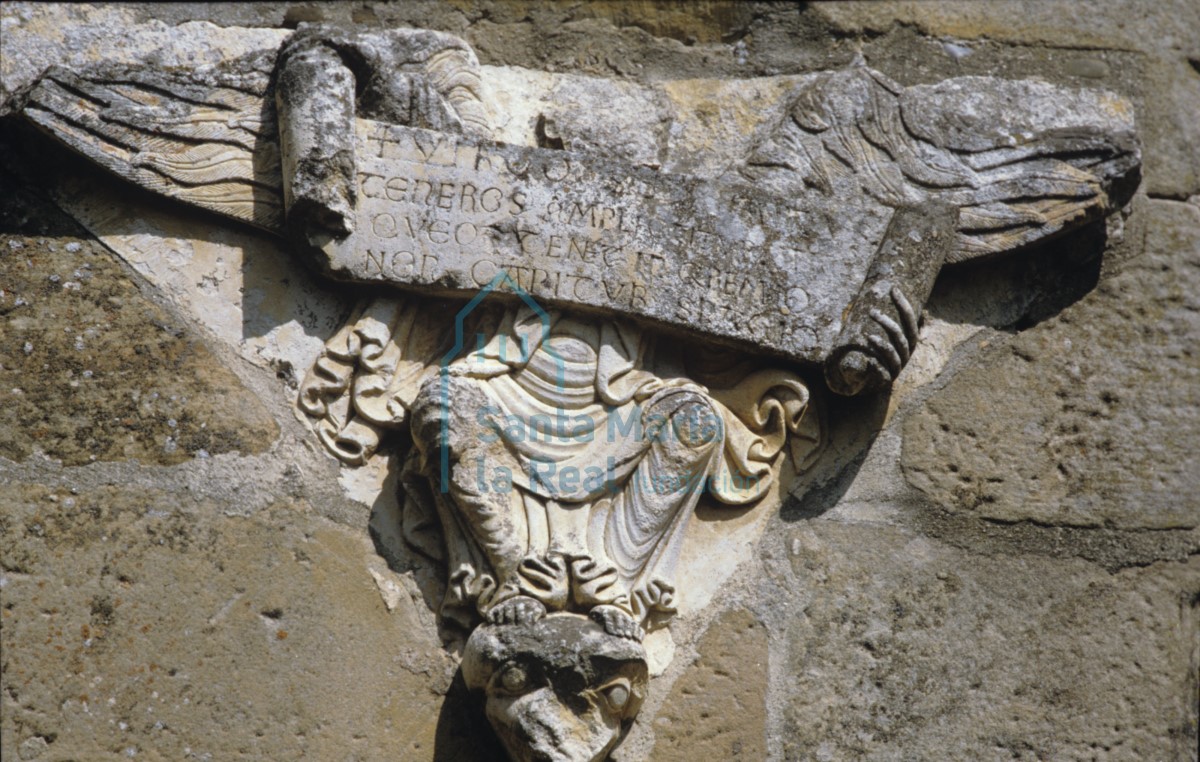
(617, 622)
(520, 609)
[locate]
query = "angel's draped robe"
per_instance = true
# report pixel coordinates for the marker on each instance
(559, 465)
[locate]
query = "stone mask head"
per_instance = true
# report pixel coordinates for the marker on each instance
(557, 690)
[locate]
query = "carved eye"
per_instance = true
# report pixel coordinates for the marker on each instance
(513, 679)
(618, 694)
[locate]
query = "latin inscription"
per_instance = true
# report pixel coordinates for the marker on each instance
(443, 212)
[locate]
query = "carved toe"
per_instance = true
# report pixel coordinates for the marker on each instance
(519, 610)
(617, 622)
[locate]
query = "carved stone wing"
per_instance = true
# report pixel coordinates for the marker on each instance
(972, 167)
(197, 137)
(1022, 160)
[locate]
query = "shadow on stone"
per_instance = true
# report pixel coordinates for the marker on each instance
(463, 733)
(853, 423)
(1023, 289)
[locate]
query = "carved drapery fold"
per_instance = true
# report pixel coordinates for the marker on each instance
(573, 468)
(368, 374)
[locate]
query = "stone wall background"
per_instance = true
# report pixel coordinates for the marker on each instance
(1001, 561)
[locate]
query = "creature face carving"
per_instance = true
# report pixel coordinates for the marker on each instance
(560, 689)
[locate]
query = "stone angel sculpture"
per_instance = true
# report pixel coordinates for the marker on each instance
(558, 456)
(576, 450)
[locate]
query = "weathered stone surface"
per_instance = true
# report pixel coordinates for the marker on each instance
(561, 687)
(717, 707)
(994, 640)
(1164, 35)
(238, 286)
(1071, 421)
(903, 648)
(1172, 131)
(92, 370)
(142, 623)
(945, 172)
(1006, 189)
(451, 214)
(1085, 42)
(1091, 23)
(78, 35)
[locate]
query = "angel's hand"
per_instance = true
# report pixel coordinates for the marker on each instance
(879, 331)
(327, 75)
(895, 343)
(889, 342)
